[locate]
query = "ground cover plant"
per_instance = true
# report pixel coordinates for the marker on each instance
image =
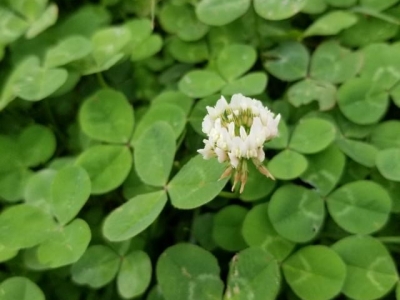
(104, 196)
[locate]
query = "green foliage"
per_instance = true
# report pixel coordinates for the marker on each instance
(360, 207)
(97, 267)
(20, 288)
(201, 83)
(333, 63)
(387, 162)
(23, 218)
(134, 216)
(296, 213)
(226, 228)
(287, 164)
(168, 112)
(369, 264)
(315, 272)
(186, 270)
(70, 190)
(312, 136)
(217, 12)
(134, 275)
(65, 246)
(325, 169)
(331, 23)
(107, 116)
(253, 273)
(196, 183)
(103, 195)
(107, 166)
(234, 60)
(257, 188)
(37, 144)
(277, 10)
(258, 231)
(288, 61)
(154, 154)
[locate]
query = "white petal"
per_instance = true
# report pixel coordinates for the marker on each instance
(264, 117)
(231, 129)
(233, 159)
(221, 154)
(235, 101)
(261, 155)
(207, 153)
(212, 112)
(221, 105)
(224, 140)
(243, 134)
(207, 124)
(273, 126)
(255, 110)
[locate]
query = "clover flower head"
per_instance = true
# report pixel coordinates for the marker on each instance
(236, 133)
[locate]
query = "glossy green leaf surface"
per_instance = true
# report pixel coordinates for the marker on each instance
(234, 60)
(20, 288)
(306, 91)
(217, 12)
(361, 152)
(185, 269)
(37, 143)
(164, 112)
(200, 83)
(387, 162)
(37, 83)
(315, 273)
(277, 10)
(181, 20)
(360, 207)
(154, 154)
(385, 135)
(312, 135)
(134, 275)
(65, 246)
(258, 231)
(359, 103)
(107, 166)
(36, 225)
(68, 50)
(288, 61)
(249, 85)
(134, 216)
(70, 190)
(97, 267)
(196, 183)
(296, 213)
(371, 271)
(226, 228)
(333, 63)
(107, 116)
(325, 169)
(287, 165)
(331, 23)
(253, 273)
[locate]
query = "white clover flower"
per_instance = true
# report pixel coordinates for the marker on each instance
(236, 133)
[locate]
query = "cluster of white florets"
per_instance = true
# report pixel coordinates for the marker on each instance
(237, 132)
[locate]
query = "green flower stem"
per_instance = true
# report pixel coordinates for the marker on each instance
(101, 80)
